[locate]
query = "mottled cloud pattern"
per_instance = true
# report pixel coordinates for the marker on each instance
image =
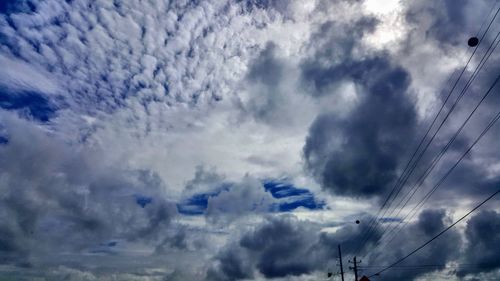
(243, 139)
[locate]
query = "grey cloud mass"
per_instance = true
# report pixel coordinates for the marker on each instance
(285, 246)
(358, 155)
(482, 241)
(57, 199)
(429, 223)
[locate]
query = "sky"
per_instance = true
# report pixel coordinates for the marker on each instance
(242, 139)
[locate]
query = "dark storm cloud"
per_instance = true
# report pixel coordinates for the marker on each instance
(281, 243)
(357, 154)
(284, 246)
(439, 252)
(371, 139)
(277, 248)
(483, 242)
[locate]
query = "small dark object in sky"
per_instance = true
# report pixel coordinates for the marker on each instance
(357, 221)
(473, 41)
(330, 274)
(143, 201)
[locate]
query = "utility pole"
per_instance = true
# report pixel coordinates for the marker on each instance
(355, 268)
(341, 266)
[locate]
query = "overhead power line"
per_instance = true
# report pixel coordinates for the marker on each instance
(438, 157)
(367, 267)
(405, 174)
(480, 66)
(412, 190)
(420, 204)
(462, 93)
(437, 235)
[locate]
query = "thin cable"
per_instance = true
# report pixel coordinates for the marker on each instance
(372, 224)
(439, 234)
(429, 169)
(485, 57)
(464, 90)
(451, 109)
(427, 196)
(497, 117)
(455, 103)
(460, 96)
(489, 14)
(422, 266)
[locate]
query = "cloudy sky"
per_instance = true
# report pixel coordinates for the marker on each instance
(242, 139)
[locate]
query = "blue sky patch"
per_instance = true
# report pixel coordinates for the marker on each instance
(29, 102)
(292, 197)
(196, 204)
(16, 6)
(308, 202)
(282, 190)
(288, 198)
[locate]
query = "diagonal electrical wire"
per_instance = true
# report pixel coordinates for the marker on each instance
(492, 9)
(406, 173)
(437, 235)
(372, 223)
(471, 79)
(423, 265)
(439, 156)
(429, 169)
(436, 159)
(460, 96)
(438, 184)
(429, 194)
(413, 211)
(405, 178)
